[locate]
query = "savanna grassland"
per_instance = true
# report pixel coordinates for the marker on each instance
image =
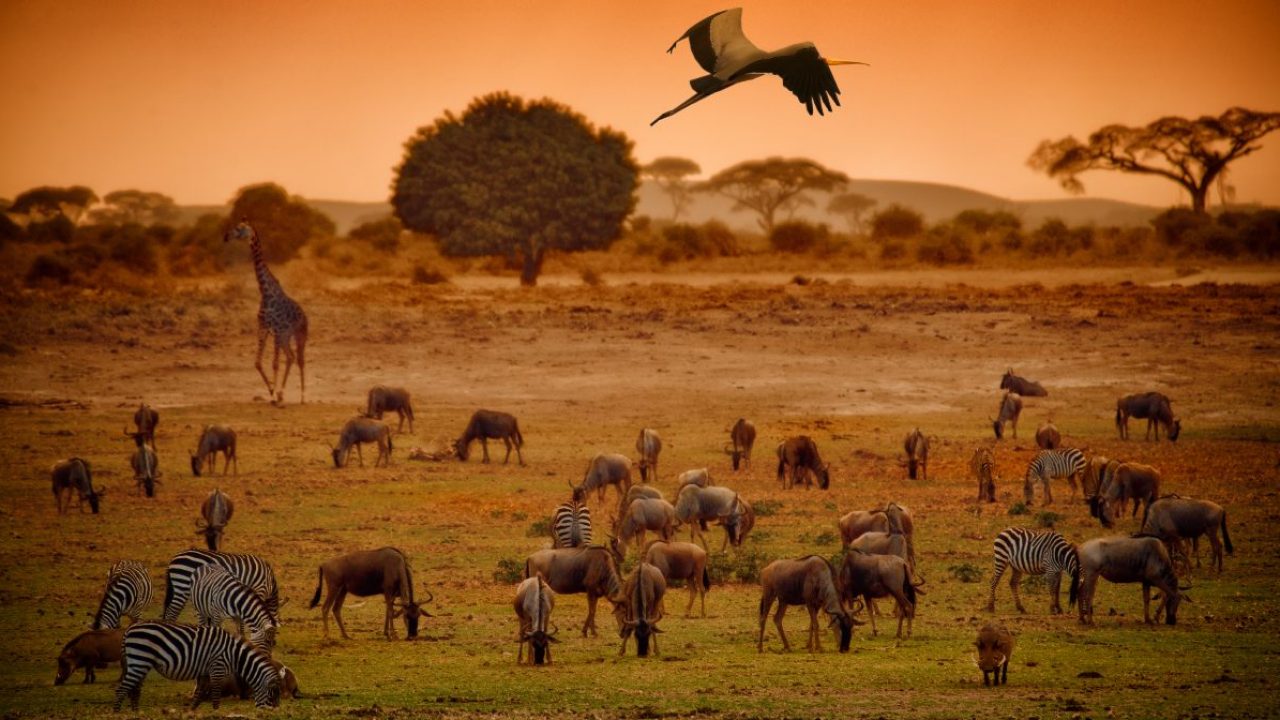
(853, 365)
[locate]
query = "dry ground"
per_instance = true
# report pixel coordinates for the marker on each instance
(854, 364)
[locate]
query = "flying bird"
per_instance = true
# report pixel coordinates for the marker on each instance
(729, 58)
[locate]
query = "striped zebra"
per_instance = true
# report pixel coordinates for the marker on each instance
(217, 596)
(248, 569)
(571, 525)
(1049, 464)
(128, 593)
(209, 655)
(1037, 553)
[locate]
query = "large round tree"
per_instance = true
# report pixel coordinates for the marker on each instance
(516, 178)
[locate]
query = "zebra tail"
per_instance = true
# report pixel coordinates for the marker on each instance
(319, 587)
(1226, 537)
(168, 591)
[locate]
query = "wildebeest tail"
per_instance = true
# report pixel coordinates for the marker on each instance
(1226, 537)
(515, 430)
(706, 579)
(1119, 418)
(406, 577)
(315, 600)
(912, 467)
(909, 590)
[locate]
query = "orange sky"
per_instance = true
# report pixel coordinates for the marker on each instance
(195, 99)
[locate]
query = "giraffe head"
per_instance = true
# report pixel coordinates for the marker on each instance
(242, 231)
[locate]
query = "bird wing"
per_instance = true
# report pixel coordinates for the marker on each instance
(803, 72)
(718, 43)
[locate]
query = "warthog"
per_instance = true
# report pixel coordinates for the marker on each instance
(800, 454)
(682, 561)
(356, 432)
(1154, 407)
(145, 464)
(697, 506)
(639, 608)
(534, 603)
(216, 510)
(605, 469)
(235, 688)
(486, 425)
(370, 572)
(214, 439)
(648, 447)
(145, 419)
(916, 446)
(90, 650)
(1010, 410)
(866, 576)
(807, 581)
(995, 648)
(1021, 385)
(73, 475)
(1141, 559)
(589, 570)
(1174, 519)
(742, 437)
(1131, 481)
(983, 467)
(643, 515)
(1048, 437)
(383, 399)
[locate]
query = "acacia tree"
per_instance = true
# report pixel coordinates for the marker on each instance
(284, 222)
(136, 206)
(768, 187)
(1191, 153)
(853, 206)
(47, 203)
(516, 178)
(671, 173)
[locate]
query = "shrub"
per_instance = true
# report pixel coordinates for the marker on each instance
(382, 235)
(510, 570)
(591, 278)
(1053, 237)
(1047, 519)
(1018, 509)
(132, 246)
(743, 566)
(799, 237)
(1176, 226)
(539, 528)
(765, 508)
(945, 245)
(424, 276)
(48, 268)
(893, 250)
(984, 221)
(683, 241)
(57, 229)
(896, 222)
(966, 572)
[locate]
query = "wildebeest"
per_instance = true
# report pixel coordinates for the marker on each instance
(89, 650)
(642, 515)
(356, 432)
(697, 506)
(486, 425)
(866, 576)
(145, 418)
(682, 561)
(1048, 437)
(145, 464)
(370, 572)
(1174, 519)
(214, 439)
(1154, 407)
(916, 446)
(1010, 409)
(534, 603)
(807, 581)
(1021, 385)
(73, 475)
(383, 399)
(1095, 476)
(639, 608)
(700, 477)
(1141, 559)
(859, 522)
(589, 570)
(216, 510)
(605, 469)
(983, 467)
(648, 447)
(995, 647)
(800, 455)
(1131, 481)
(742, 437)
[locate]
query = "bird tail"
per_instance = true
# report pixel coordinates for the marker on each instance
(705, 84)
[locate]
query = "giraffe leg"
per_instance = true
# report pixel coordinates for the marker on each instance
(301, 339)
(288, 365)
(262, 344)
(275, 371)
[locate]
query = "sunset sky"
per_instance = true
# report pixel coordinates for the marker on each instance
(195, 99)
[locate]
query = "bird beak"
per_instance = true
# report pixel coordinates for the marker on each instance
(833, 63)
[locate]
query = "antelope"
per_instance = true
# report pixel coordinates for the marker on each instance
(648, 447)
(800, 454)
(742, 437)
(216, 510)
(214, 439)
(358, 431)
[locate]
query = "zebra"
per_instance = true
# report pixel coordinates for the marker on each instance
(1036, 553)
(1061, 463)
(248, 569)
(217, 596)
(209, 655)
(128, 592)
(571, 525)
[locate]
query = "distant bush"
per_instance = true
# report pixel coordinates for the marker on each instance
(1018, 509)
(57, 229)
(425, 276)
(896, 222)
(683, 241)
(893, 250)
(945, 245)
(743, 566)
(539, 528)
(765, 508)
(382, 235)
(1178, 226)
(47, 269)
(9, 230)
(1047, 519)
(984, 221)
(509, 571)
(591, 278)
(799, 237)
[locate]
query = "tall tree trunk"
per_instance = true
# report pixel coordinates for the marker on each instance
(1199, 197)
(532, 264)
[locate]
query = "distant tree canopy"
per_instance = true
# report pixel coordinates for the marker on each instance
(853, 207)
(896, 223)
(516, 178)
(671, 174)
(774, 185)
(383, 235)
(46, 203)
(136, 206)
(284, 222)
(1191, 153)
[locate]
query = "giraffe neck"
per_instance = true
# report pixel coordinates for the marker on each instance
(267, 283)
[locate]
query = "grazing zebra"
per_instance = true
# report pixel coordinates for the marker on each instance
(1036, 553)
(982, 465)
(209, 655)
(128, 593)
(1061, 463)
(217, 596)
(248, 569)
(571, 526)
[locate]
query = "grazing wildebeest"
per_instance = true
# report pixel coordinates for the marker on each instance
(995, 647)
(1131, 481)
(807, 581)
(644, 515)
(1095, 476)
(743, 438)
(1049, 464)
(867, 576)
(700, 477)
(145, 418)
(1021, 385)
(605, 469)
(1174, 519)
(486, 425)
(983, 467)
(800, 454)
(1010, 409)
(648, 447)
(916, 446)
(1141, 559)
(356, 432)
(534, 603)
(859, 522)
(1154, 407)
(589, 570)
(145, 464)
(89, 650)
(682, 561)
(639, 608)
(370, 572)
(216, 510)
(383, 399)
(697, 505)
(73, 475)
(214, 439)
(1048, 437)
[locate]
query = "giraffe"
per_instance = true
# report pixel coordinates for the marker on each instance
(278, 315)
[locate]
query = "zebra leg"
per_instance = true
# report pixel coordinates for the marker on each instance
(1055, 586)
(995, 580)
(1015, 576)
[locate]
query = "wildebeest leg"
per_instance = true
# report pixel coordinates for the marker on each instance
(484, 445)
(519, 455)
(815, 643)
(765, 603)
(1085, 600)
(626, 633)
(507, 442)
(1055, 585)
(1015, 576)
(866, 600)
(777, 621)
(337, 598)
(590, 624)
(1216, 544)
(1146, 603)
(725, 545)
(986, 678)
(695, 584)
(359, 454)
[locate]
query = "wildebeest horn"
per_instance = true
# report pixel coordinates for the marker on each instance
(430, 597)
